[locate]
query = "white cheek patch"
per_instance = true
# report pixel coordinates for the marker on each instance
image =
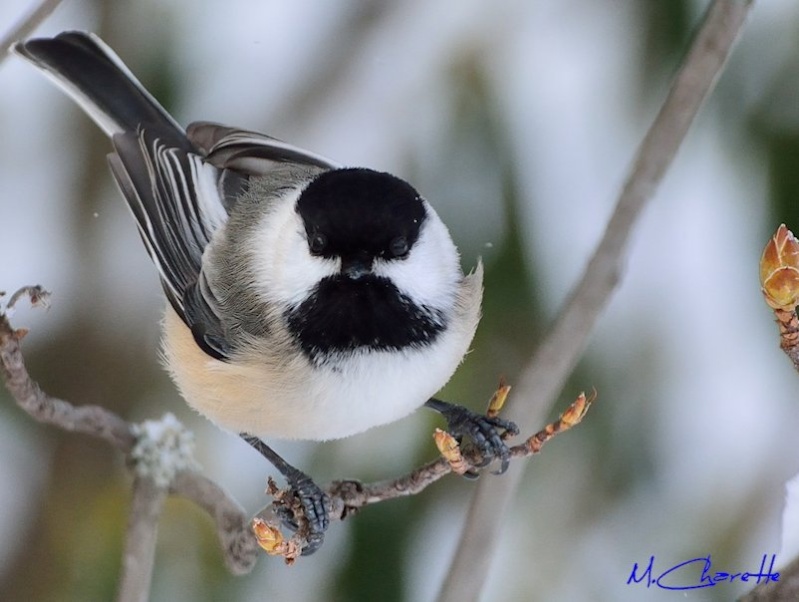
(283, 268)
(431, 273)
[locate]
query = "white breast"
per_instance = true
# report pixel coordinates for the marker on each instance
(293, 400)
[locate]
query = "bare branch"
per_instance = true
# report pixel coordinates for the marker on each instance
(26, 25)
(237, 540)
(139, 554)
(90, 420)
(422, 477)
(347, 497)
(788, 324)
(544, 376)
(232, 524)
(36, 294)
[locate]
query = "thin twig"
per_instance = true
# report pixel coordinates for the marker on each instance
(232, 523)
(89, 420)
(545, 375)
(422, 477)
(26, 25)
(347, 497)
(36, 294)
(788, 324)
(139, 554)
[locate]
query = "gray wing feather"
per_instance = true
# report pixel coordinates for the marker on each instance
(174, 198)
(243, 154)
(248, 152)
(171, 191)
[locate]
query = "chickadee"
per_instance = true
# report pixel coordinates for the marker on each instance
(306, 300)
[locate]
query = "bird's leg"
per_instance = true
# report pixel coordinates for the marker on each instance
(315, 502)
(484, 431)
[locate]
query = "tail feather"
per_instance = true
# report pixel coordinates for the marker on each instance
(169, 188)
(94, 76)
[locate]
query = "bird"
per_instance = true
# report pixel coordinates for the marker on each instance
(305, 299)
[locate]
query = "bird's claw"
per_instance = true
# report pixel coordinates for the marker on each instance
(485, 433)
(315, 505)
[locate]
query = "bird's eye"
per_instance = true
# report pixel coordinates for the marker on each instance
(317, 242)
(399, 247)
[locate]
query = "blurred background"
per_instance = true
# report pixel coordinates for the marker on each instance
(518, 121)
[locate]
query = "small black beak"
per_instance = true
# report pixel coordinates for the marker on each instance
(356, 267)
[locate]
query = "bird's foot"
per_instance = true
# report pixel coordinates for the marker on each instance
(487, 433)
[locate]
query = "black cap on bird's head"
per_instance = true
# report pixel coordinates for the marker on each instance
(359, 215)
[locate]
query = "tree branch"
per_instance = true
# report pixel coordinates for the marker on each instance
(347, 497)
(417, 480)
(139, 554)
(232, 523)
(89, 420)
(544, 376)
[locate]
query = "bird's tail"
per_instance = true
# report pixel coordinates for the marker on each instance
(97, 79)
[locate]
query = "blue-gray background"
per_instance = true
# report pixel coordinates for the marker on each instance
(518, 120)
